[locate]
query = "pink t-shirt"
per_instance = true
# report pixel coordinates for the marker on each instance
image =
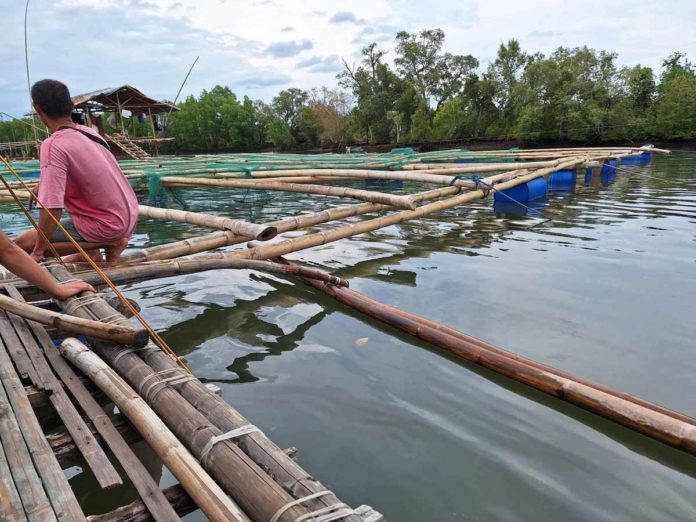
(84, 178)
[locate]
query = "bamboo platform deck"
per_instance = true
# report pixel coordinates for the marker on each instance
(35, 378)
(227, 467)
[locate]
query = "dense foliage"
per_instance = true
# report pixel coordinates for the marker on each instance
(571, 95)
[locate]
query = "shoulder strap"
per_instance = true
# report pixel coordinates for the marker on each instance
(96, 139)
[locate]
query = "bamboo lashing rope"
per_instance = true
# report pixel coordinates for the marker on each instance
(161, 343)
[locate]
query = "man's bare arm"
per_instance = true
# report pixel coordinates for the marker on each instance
(22, 265)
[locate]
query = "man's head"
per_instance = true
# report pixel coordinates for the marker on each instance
(51, 100)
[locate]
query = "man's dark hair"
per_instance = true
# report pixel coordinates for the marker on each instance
(52, 97)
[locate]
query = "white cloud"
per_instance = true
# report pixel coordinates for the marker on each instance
(287, 49)
(318, 64)
(91, 44)
(346, 17)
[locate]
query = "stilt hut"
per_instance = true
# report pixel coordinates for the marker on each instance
(135, 137)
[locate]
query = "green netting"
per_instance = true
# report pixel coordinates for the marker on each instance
(161, 196)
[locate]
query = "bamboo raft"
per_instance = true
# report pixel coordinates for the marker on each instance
(226, 467)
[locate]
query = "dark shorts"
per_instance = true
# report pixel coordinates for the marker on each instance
(59, 237)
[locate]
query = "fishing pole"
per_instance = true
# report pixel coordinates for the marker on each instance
(182, 87)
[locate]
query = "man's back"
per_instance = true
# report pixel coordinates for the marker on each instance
(83, 177)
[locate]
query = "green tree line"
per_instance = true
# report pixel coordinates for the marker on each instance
(423, 94)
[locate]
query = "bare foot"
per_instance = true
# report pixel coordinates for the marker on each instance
(94, 255)
(113, 252)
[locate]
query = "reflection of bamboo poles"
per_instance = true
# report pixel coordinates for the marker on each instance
(655, 421)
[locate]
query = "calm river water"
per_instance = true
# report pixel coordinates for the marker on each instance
(605, 289)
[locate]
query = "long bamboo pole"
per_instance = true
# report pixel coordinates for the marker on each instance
(123, 334)
(343, 192)
(652, 420)
(157, 269)
(198, 484)
(242, 228)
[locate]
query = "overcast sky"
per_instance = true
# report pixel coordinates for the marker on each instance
(258, 47)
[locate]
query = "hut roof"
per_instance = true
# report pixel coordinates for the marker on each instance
(126, 97)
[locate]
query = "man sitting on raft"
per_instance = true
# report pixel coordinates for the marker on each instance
(79, 174)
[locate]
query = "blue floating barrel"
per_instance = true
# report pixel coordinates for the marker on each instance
(609, 167)
(464, 160)
(507, 208)
(608, 178)
(639, 159)
(588, 175)
(563, 180)
(529, 191)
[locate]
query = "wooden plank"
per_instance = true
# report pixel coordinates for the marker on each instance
(69, 455)
(17, 473)
(147, 488)
(137, 512)
(19, 356)
(62, 498)
(104, 471)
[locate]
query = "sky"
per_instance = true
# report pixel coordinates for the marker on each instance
(259, 47)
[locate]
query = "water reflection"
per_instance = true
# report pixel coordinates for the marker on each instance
(601, 285)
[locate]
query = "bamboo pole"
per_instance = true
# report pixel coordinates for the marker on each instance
(158, 269)
(419, 177)
(242, 228)
(198, 484)
(343, 192)
(368, 173)
(655, 421)
(123, 334)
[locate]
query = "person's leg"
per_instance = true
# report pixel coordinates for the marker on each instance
(113, 251)
(62, 245)
(94, 255)
(26, 240)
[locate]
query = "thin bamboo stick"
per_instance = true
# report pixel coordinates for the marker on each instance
(198, 484)
(343, 192)
(242, 228)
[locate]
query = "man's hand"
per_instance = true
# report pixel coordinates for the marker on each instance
(62, 292)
